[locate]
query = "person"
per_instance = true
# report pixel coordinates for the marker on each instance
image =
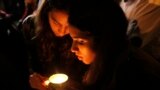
(100, 41)
(146, 13)
(49, 44)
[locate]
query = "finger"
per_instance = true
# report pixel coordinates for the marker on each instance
(33, 74)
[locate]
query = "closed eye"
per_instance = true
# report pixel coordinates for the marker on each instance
(55, 21)
(80, 41)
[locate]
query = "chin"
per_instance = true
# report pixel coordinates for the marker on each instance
(87, 63)
(60, 35)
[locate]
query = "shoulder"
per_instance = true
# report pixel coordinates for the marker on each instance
(28, 19)
(28, 23)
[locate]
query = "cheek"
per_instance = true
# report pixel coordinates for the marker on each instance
(53, 27)
(51, 23)
(91, 56)
(88, 55)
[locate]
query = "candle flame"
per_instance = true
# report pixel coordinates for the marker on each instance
(46, 83)
(58, 78)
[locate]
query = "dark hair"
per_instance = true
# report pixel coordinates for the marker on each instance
(60, 4)
(107, 25)
(52, 49)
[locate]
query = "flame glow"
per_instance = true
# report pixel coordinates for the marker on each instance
(58, 78)
(157, 2)
(46, 83)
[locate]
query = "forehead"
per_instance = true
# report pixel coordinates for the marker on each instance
(59, 12)
(59, 15)
(76, 33)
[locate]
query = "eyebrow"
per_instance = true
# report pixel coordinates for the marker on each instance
(80, 37)
(54, 19)
(76, 37)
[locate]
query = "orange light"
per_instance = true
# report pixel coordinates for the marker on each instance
(157, 2)
(46, 83)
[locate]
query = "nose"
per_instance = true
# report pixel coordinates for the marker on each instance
(74, 47)
(65, 30)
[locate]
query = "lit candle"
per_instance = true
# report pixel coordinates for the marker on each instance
(56, 79)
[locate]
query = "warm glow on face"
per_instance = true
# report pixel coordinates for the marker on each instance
(58, 78)
(157, 2)
(58, 21)
(82, 45)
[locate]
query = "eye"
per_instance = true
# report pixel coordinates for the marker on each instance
(55, 22)
(81, 42)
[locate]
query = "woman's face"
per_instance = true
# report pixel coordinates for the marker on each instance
(58, 21)
(82, 45)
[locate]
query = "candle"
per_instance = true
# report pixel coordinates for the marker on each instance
(56, 79)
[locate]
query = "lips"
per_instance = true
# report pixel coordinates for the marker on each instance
(79, 57)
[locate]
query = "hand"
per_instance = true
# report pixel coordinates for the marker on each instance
(71, 85)
(37, 81)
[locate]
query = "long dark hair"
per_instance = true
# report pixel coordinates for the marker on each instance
(107, 25)
(51, 49)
